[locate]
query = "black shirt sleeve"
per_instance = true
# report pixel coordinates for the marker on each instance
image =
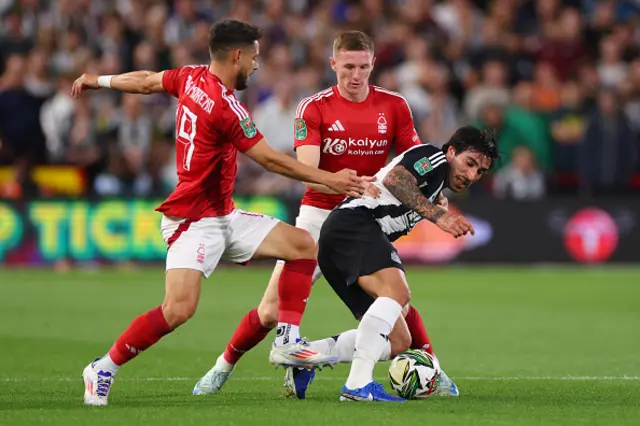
(425, 162)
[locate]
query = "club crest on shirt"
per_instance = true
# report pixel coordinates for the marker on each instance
(382, 123)
(248, 127)
(422, 166)
(301, 129)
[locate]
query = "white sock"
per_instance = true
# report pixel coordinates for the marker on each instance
(343, 346)
(373, 333)
(287, 334)
(325, 346)
(316, 274)
(346, 347)
(386, 352)
(106, 364)
(223, 365)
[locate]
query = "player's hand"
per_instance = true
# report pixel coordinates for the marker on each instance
(442, 201)
(455, 224)
(371, 190)
(347, 182)
(83, 83)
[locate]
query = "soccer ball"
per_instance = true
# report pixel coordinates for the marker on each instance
(413, 374)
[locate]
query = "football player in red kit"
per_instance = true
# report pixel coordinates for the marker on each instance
(351, 125)
(200, 223)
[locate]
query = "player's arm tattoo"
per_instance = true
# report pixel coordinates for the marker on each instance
(404, 186)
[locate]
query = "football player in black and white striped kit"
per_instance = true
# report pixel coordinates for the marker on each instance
(358, 259)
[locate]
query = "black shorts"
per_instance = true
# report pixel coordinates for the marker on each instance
(352, 245)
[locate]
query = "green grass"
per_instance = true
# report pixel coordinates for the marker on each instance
(525, 346)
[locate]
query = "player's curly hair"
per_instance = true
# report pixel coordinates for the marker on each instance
(231, 34)
(469, 138)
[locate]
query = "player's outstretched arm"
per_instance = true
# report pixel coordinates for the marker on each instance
(139, 82)
(310, 155)
(404, 186)
(344, 182)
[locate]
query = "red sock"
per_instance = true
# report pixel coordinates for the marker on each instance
(143, 332)
(249, 333)
(419, 336)
(294, 287)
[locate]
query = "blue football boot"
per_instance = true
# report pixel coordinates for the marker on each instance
(371, 392)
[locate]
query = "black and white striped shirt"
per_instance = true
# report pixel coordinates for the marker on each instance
(429, 166)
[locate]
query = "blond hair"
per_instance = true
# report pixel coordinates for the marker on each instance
(352, 41)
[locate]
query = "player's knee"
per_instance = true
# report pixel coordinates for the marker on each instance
(405, 310)
(305, 246)
(181, 297)
(400, 342)
(268, 314)
(402, 296)
(177, 313)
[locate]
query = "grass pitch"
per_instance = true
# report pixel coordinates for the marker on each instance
(526, 346)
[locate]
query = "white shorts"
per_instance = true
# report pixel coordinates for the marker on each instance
(200, 244)
(311, 219)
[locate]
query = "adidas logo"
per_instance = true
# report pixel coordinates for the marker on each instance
(336, 127)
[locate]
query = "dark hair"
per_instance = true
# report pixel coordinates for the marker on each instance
(230, 34)
(469, 138)
(353, 41)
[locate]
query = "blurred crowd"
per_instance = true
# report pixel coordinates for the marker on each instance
(558, 80)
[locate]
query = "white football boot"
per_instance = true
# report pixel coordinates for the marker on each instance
(97, 384)
(212, 382)
(300, 355)
(445, 386)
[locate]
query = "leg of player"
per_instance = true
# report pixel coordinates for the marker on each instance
(182, 291)
(389, 288)
(419, 337)
(257, 323)
(420, 340)
(253, 328)
(342, 346)
(299, 251)
(267, 313)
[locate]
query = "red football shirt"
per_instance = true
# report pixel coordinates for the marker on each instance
(211, 126)
(353, 135)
